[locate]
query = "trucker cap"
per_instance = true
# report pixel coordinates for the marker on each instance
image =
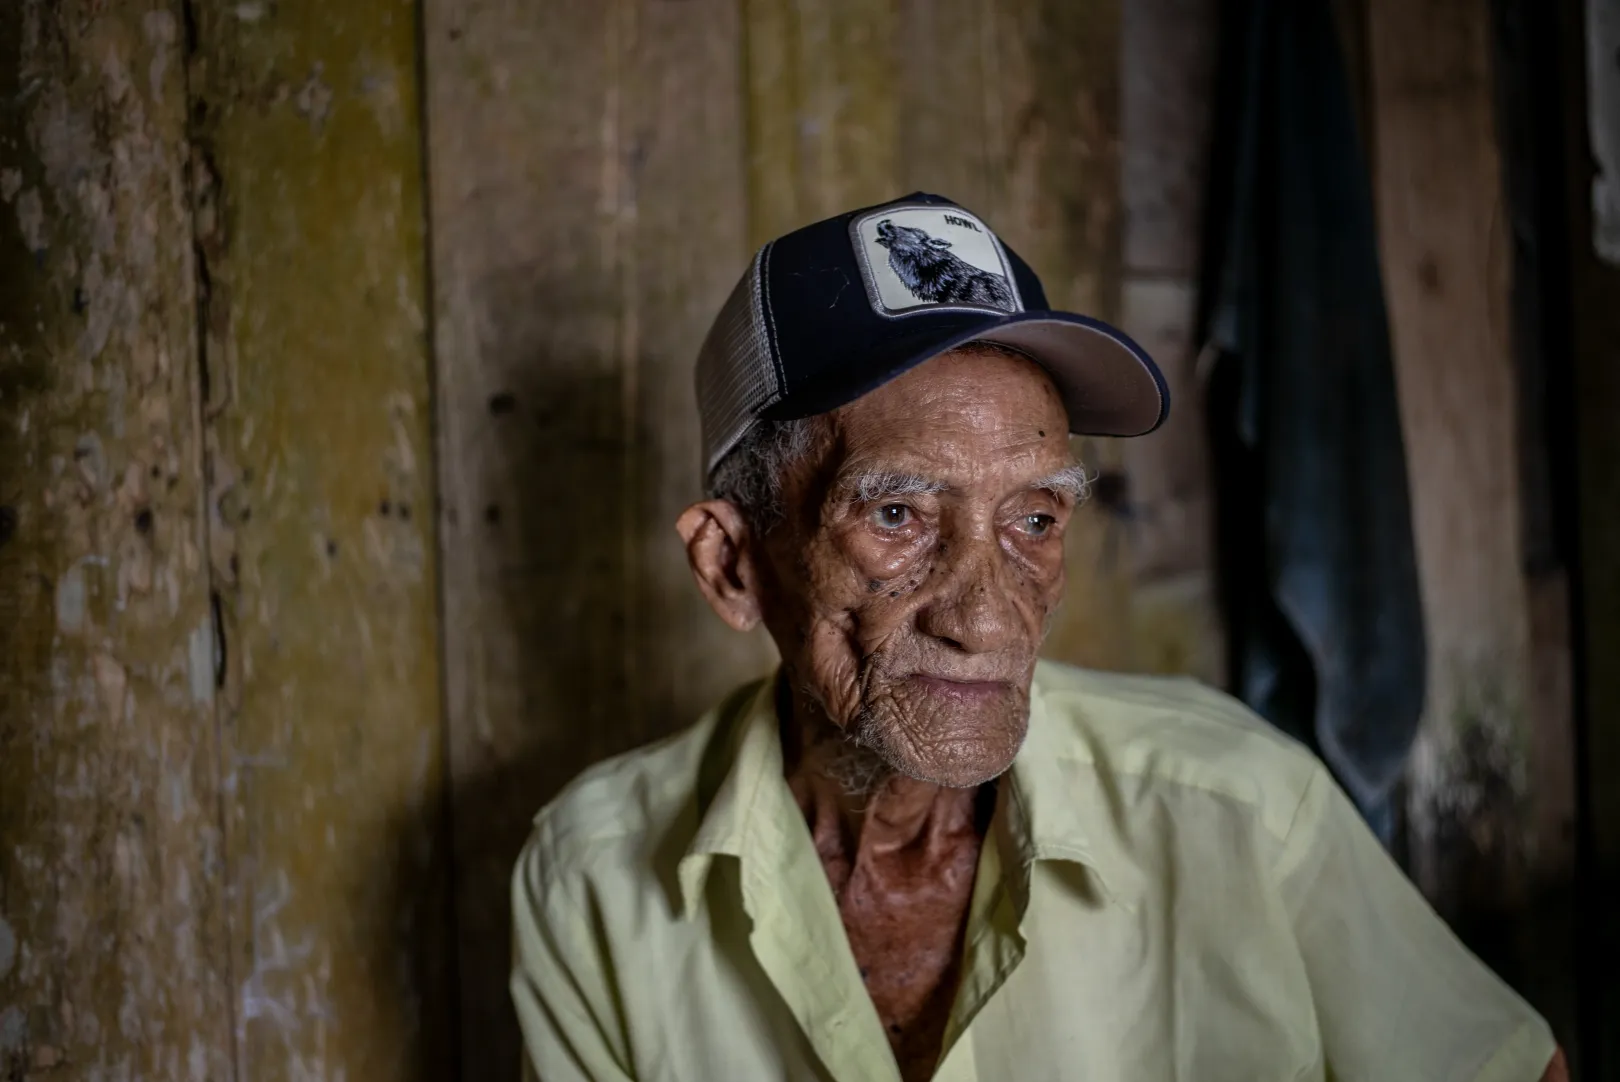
(836, 309)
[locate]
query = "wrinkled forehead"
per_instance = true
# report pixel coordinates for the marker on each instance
(978, 406)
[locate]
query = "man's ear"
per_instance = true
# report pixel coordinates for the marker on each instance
(716, 537)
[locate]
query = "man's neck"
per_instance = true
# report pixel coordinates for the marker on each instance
(857, 807)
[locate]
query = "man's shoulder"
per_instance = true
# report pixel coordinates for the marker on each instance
(634, 798)
(1176, 731)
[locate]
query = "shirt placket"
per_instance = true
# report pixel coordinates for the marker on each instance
(800, 943)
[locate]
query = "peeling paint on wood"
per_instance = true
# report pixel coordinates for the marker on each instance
(113, 956)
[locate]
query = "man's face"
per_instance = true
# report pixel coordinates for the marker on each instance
(922, 554)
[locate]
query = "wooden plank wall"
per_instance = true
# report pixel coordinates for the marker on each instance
(599, 177)
(1491, 799)
(311, 258)
(220, 747)
(113, 938)
(230, 477)
(1437, 177)
(1165, 494)
(574, 267)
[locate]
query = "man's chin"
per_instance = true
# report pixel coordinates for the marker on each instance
(967, 772)
(954, 747)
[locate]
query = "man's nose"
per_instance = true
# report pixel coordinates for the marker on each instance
(973, 607)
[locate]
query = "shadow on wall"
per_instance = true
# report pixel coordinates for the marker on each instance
(411, 941)
(553, 642)
(572, 628)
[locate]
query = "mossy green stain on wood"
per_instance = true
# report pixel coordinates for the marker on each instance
(322, 496)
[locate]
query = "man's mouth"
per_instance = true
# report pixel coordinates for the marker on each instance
(967, 692)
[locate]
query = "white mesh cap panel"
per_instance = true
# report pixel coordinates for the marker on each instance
(736, 375)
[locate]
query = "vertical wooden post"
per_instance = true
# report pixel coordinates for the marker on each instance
(307, 188)
(113, 959)
(1446, 258)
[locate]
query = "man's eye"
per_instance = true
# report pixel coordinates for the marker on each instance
(892, 516)
(1037, 525)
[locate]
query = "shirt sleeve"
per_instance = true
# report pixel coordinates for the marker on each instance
(1396, 994)
(560, 985)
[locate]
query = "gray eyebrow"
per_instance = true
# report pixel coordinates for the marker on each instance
(1070, 479)
(871, 485)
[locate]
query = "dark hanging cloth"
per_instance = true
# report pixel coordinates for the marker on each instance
(1318, 571)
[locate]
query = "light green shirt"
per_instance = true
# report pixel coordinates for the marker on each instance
(1169, 890)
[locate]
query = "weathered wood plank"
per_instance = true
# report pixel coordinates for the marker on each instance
(576, 270)
(310, 228)
(113, 955)
(1168, 81)
(1168, 500)
(941, 53)
(823, 129)
(689, 248)
(1445, 255)
(526, 277)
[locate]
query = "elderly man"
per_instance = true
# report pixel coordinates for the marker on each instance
(916, 852)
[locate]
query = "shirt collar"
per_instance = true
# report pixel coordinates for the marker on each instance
(1063, 806)
(754, 749)
(1052, 811)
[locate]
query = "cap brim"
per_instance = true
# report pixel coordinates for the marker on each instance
(1109, 384)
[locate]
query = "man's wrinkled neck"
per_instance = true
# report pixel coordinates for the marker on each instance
(854, 802)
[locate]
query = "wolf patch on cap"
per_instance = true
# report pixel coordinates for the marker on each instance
(920, 257)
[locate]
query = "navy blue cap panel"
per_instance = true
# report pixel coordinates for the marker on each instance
(1029, 286)
(816, 305)
(846, 371)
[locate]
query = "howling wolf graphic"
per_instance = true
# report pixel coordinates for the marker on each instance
(933, 273)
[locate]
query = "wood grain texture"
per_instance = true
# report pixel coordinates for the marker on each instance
(113, 959)
(821, 110)
(942, 53)
(1437, 180)
(1167, 86)
(310, 231)
(1167, 80)
(589, 218)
